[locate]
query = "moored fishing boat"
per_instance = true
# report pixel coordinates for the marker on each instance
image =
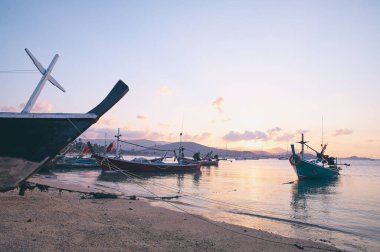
(30, 140)
(142, 165)
(117, 163)
(323, 166)
(76, 162)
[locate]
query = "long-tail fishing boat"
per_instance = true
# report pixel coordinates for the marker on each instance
(206, 160)
(30, 140)
(117, 163)
(323, 166)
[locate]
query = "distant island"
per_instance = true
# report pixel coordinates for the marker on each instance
(359, 158)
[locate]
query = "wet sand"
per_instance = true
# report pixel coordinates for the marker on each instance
(51, 221)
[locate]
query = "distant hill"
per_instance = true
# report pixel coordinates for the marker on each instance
(191, 148)
(359, 158)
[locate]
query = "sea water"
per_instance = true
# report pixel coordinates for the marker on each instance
(265, 194)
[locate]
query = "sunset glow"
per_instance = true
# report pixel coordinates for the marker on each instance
(247, 75)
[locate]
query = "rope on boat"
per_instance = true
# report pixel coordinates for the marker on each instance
(149, 148)
(17, 71)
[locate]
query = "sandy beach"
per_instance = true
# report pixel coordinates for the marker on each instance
(51, 221)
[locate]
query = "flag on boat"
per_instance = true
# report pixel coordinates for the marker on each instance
(111, 147)
(86, 149)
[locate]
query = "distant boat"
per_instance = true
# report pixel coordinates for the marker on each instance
(30, 140)
(284, 157)
(323, 166)
(207, 160)
(247, 158)
(76, 162)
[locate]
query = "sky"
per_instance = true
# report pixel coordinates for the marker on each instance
(247, 75)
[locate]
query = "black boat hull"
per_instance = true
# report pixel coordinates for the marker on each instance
(28, 141)
(109, 164)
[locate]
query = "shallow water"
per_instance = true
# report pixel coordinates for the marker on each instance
(265, 194)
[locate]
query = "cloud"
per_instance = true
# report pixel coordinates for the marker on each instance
(104, 121)
(217, 104)
(340, 132)
(140, 117)
(42, 107)
(39, 107)
(284, 137)
(233, 136)
(164, 91)
(197, 137)
(373, 140)
(12, 108)
(274, 131)
(300, 131)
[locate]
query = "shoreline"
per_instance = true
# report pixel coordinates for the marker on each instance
(46, 221)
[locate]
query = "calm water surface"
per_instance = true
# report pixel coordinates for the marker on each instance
(265, 194)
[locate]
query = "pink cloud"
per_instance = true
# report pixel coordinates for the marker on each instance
(104, 121)
(300, 131)
(274, 131)
(340, 132)
(140, 117)
(12, 109)
(165, 91)
(197, 137)
(217, 104)
(39, 107)
(284, 137)
(233, 136)
(42, 107)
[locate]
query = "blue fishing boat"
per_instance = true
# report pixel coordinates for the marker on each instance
(323, 166)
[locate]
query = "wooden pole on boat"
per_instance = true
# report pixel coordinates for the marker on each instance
(302, 142)
(45, 77)
(293, 150)
(117, 143)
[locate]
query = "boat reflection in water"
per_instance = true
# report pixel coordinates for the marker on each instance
(149, 178)
(311, 194)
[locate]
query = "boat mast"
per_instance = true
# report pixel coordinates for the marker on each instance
(105, 140)
(45, 77)
(181, 155)
(302, 142)
(322, 132)
(117, 143)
